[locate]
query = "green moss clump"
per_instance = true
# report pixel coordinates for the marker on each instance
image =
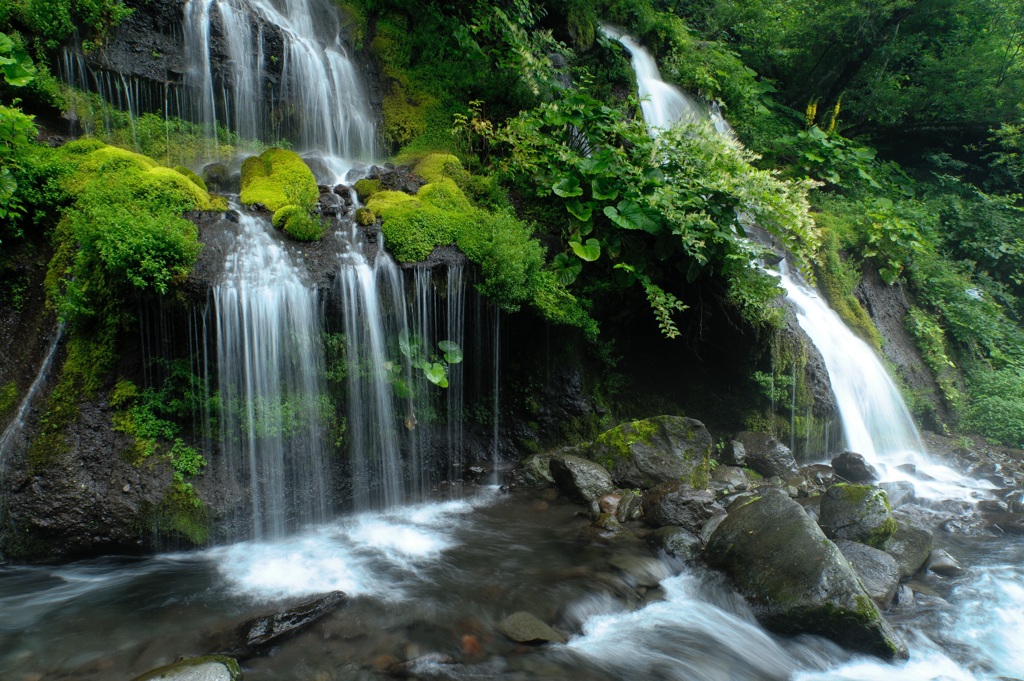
(436, 167)
(837, 280)
(366, 188)
(365, 217)
(8, 400)
(616, 442)
(283, 214)
(278, 178)
(302, 226)
(180, 514)
(196, 180)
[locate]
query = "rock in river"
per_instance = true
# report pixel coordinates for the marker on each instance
(642, 454)
(581, 479)
(797, 580)
(857, 512)
(209, 668)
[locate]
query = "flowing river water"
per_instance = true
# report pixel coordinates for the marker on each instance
(428, 583)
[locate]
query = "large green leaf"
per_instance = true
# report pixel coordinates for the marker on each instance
(435, 373)
(589, 251)
(452, 351)
(581, 211)
(568, 187)
(630, 215)
(604, 189)
(566, 268)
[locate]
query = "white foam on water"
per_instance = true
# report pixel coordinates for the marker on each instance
(371, 553)
(991, 619)
(925, 664)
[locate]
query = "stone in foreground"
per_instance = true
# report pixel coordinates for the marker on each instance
(680, 505)
(766, 455)
(522, 627)
(583, 480)
(208, 668)
(877, 570)
(796, 580)
(858, 513)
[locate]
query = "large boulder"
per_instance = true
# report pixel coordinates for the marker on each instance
(857, 512)
(642, 454)
(580, 478)
(877, 570)
(679, 505)
(766, 455)
(910, 545)
(853, 467)
(796, 580)
(533, 471)
(208, 668)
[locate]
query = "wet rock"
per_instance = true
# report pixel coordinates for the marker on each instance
(852, 467)
(608, 523)
(262, 633)
(641, 570)
(398, 179)
(966, 525)
(681, 506)
(858, 513)
(609, 503)
(642, 454)
(877, 570)
(344, 192)
(941, 563)
(993, 506)
(734, 454)
(630, 506)
(676, 541)
(909, 545)
(422, 665)
(208, 668)
(580, 478)
(904, 598)
(819, 474)
(1009, 523)
(767, 456)
(321, 171)
(899, 492)
(331, 205)
(523, 627)
(795, 579)
(729, 478)
(218, 178)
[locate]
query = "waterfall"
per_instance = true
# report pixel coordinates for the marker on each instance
(319, 103)
(17, 424)
(663, 104)
(270, 370)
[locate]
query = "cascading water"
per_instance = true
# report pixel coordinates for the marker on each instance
(663, 104)
(270, 370)
(17, 424)
(326, 109)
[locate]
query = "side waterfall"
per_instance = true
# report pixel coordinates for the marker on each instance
(270, 370)
(17, 424)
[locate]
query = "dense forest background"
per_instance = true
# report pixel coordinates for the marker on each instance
(877, 137)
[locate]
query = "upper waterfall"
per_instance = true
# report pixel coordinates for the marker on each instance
(319, 103)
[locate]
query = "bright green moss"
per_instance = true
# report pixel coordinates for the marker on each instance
(437, 167)
(278, 178)
(302, 226)
(446, 195)
(365, 217)
(196, 180)
(282, 215)
(366, 188)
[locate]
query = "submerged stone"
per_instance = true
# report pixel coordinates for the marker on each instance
(262, 633)
(796, 580)
(208, 668)
(523, 627)
(642, 454)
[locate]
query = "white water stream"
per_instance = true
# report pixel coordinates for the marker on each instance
(17, 424)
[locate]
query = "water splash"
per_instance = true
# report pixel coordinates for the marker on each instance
(270, 369)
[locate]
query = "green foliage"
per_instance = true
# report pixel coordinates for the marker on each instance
(278, 178)
(658, 209)
(192, 177)
(302, 226)
(837, 279)
(996, 409)
(15, 63)
(366, 188)
(54, 21)
(931, 340)
(365, 217)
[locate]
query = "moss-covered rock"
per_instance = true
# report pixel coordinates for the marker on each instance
(302, 226)
(438, 167)
(642, 454)
(365, 217)
(797, 581)
(198, 181)
(859, 513)
(910, 545)
(278, 178)
(365, 188)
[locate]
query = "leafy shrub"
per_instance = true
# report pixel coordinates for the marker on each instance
(302, 226)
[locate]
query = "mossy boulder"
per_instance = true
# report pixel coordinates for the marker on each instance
(186, 172)
(642, 454)
(858, 513)
(278, 178)
(208, 668)
(796, 580)
(534, 471)
(297, 223)
(365, 217)
(365, 188)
